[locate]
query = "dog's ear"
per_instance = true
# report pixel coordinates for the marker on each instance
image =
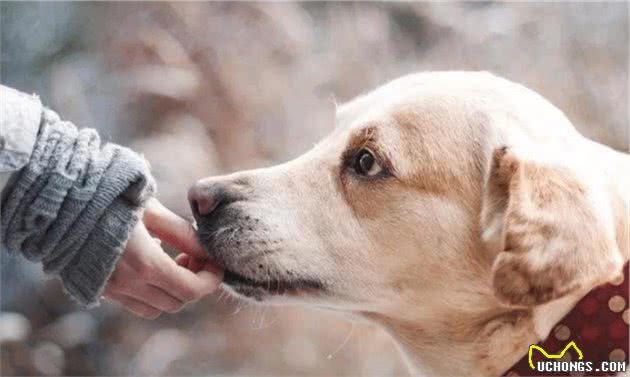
(551, 233)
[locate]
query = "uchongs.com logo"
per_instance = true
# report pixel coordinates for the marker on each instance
(561, 362)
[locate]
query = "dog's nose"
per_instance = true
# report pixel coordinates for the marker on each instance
(205, 197)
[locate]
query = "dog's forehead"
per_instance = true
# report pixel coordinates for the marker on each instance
(410, 87)
(419, 92)
(405, 109)
(423, 122)
(450, 102)
(446, 124)
(376, 104)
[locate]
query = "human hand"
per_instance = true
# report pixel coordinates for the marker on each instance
(147, 281)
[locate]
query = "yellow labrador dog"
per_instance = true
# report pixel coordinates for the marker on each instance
(460, 211)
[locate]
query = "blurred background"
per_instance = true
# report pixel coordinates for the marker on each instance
(209, 88)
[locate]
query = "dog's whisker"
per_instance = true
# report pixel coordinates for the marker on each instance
(343, 344)
(261, 321)
(239, 306)
(274, 320)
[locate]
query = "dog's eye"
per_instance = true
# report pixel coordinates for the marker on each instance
(365, 164)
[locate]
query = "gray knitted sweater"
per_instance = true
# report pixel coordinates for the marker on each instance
(72, 203)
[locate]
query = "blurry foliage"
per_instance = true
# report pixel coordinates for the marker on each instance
(207, 88)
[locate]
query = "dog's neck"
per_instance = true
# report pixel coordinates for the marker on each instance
(483, 340)
(490, 339)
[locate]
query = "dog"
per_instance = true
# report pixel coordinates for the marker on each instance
(460, 211)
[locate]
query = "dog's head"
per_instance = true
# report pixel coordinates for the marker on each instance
(413, 201)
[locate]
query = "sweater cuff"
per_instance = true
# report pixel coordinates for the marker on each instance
(86, 275)
(72, 207)
(85, 278)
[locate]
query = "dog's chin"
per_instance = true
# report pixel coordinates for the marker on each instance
(268, 289)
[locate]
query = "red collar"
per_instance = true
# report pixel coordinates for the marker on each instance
(598, 325)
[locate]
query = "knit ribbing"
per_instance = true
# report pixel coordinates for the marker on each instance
(73, 205)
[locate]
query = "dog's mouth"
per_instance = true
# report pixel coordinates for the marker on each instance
(258, 289)
(235, 246)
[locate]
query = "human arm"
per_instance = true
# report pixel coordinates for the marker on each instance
(73, 204)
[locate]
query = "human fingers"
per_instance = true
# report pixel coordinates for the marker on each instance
(135, 306)
(187, 285)
(193, 264)
(155, 297)
(172, 229)
(182, 260)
